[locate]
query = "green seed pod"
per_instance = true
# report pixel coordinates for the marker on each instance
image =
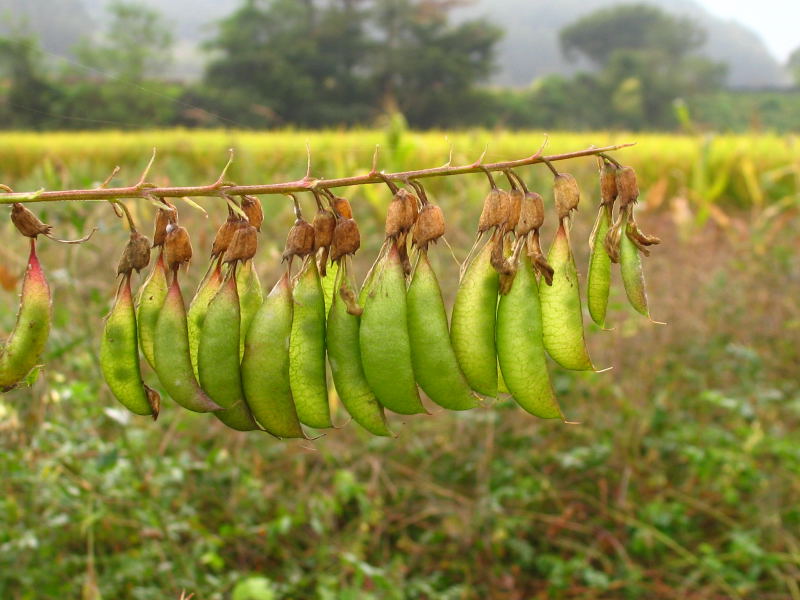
(251, 297)
(198, 308)
(472, 329)
(344, 356)
(435, 364)
(218, 358)
(520, 349)
(566, 194)
(328, 282)
(173, 364)
(562, 316)
(265, 366)
(599, 280)
(384, 339)
(307, 350)
(630, 264)
(149, 302)
(26, 343)
(119, 355)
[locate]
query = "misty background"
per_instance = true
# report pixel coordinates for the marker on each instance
(525, 52)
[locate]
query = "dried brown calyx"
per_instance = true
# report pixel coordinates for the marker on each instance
(627, 186)
(165, 215)
(429, 226)
(324, 223)
(300, 241)
(566, 193)
(341, 206)
(608, 184)
(534, 249)
(225, 234)
(27, 223)
(136, 254)
(495, 210)
(251, 206)
(350, 300)
(515, 198)
(531, 214)
(346, 239)
(402, 214)
(154, 400)
(243, 246)
(177, 246)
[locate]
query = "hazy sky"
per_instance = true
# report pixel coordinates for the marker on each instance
(778, 21)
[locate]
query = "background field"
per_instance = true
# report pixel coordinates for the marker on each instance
(682, 479)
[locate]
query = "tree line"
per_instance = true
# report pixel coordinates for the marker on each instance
(330, 63)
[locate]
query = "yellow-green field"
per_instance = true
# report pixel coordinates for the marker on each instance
(681, 478)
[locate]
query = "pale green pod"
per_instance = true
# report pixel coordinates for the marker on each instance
(150, 299)
(119, 354)
(171, 354)
(599, 280)
(265, 366)
(385, 344)
(218, 358)
(198, 308)
(520, 347)
(472, 329)
(630, 266)
(562, 316)
(344, 356)
(307, 374)
(435, 365)
(251, 297)
(329, 284)
(26, 343)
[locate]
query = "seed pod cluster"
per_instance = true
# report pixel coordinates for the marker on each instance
(259, 364)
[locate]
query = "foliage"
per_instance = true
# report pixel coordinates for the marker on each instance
(679, 481)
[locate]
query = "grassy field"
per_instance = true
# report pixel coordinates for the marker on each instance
(681, 480)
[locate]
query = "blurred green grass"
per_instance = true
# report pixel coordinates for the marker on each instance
(682, 479)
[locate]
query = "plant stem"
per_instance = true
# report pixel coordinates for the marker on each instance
(221, 188)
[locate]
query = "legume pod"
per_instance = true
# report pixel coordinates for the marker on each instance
(198, 308)
(119, 354)
(171, 354)
(344, 356)
(26, 343)
(384, 339)
(265, 366)
(562, 317)
(218, 358)
(599, 280)
(630, 265)
(472, 329)
(307, 349)
(251, 297)
(435, 364)
(148, 304)
(520, 347)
